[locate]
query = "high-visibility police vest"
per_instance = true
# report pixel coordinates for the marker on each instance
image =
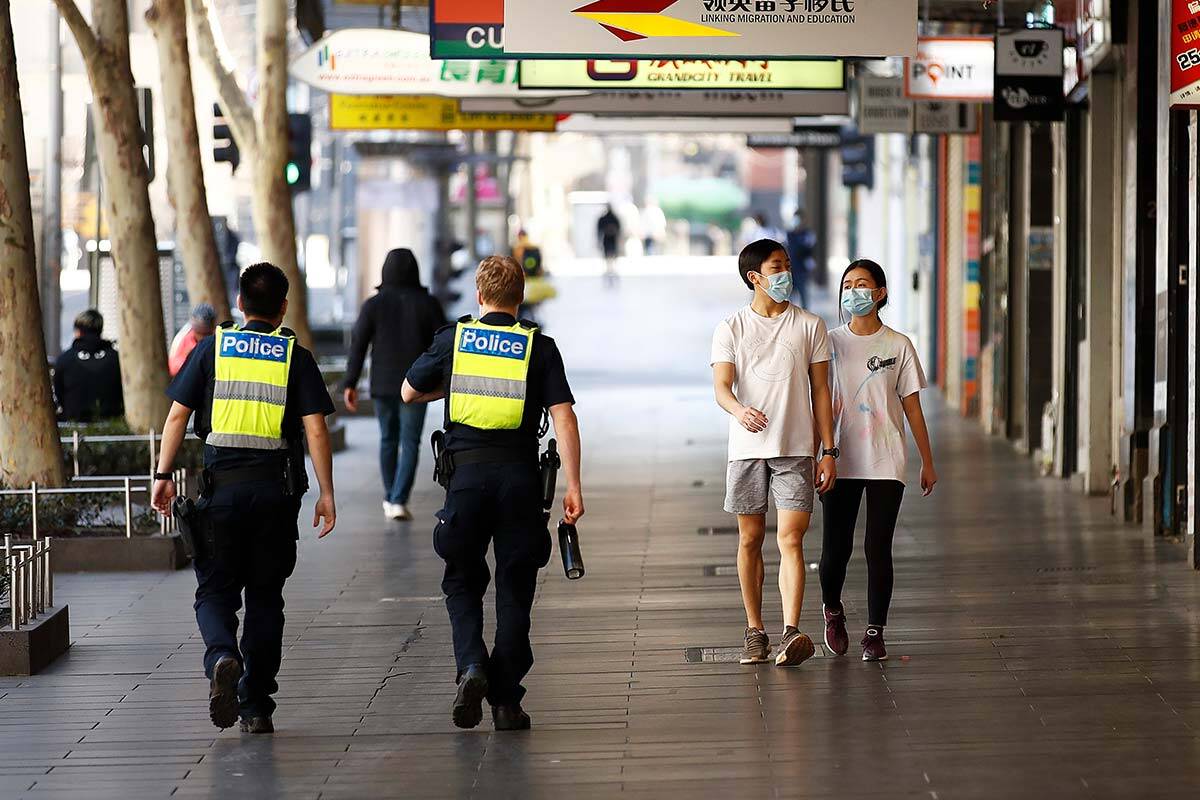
(251, 389)
(489, 373)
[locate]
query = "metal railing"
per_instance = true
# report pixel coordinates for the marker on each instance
(149, 438)
(128, 488)
(30, 581)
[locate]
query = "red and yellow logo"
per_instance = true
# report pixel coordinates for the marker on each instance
(632, 20)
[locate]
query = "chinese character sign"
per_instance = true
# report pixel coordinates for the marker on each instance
(669, 29)
(1185, 54)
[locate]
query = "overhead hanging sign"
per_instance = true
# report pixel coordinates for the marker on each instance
(1029, 75)
(381, 61)
(1093, 33)
(945, 118)
(466, 28)
(425, 113)
(682, 74)
(951, 68)
(825, 138)
(787, 29)
(882, 106)
(675, 104)
(586, 123)
(1185, 54)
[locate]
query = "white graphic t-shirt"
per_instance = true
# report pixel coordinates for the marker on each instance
(771, 358)
(871, 375)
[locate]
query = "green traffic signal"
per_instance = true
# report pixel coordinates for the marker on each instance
(291, 173)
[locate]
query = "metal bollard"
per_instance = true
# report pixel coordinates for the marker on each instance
(128, 510)
(33, 514)
(49, 577)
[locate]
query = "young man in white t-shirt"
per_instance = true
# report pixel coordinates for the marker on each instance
(770, 365)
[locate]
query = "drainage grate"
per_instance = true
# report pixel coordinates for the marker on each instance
(727, 530)
(724, 655)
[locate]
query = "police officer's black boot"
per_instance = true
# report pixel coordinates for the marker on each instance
(511, 718)
(467, 711)
(257, 725)
(222, 692)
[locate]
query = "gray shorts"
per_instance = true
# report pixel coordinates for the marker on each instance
(789, 480)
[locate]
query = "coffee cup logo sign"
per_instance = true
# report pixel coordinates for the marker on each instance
(951, 68)
(1029, 75)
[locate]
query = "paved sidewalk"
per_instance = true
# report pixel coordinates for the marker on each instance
(1039, 649)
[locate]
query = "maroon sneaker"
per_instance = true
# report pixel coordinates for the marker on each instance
(872, 645)
(837, 641)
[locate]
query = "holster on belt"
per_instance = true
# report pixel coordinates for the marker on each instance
(186, 520)
(443, 460)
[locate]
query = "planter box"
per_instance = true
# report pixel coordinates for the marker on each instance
(117, 554)
(32, 648)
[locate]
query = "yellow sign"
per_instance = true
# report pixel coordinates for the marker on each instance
(675, 74)
(359, 112)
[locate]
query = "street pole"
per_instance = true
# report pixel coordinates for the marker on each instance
(472, 199)
(51, 288)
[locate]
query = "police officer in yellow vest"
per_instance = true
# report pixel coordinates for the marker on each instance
(256, 393)
(501, 376)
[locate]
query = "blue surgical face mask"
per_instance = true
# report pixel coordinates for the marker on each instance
(779, 286)
(858, 302)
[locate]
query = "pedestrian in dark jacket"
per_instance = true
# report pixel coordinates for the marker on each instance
(398, 324)
(87, 376)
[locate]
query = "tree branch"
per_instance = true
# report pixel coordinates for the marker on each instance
(211, 49)
(85, 37)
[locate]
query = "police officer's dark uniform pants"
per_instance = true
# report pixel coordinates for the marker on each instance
(250, 545)
(500, 503)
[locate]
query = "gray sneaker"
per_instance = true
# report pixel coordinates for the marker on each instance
(758, 647)
(794, 649)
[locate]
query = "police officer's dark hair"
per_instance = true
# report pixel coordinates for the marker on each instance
(264, 287)
(754, 254)
(90, 321)
(877, 275)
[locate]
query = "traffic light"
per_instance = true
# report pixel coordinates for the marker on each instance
(224, 146)
(298, 170)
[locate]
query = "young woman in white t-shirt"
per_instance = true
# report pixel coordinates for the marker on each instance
(877, 379)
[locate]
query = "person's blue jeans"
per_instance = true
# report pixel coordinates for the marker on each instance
(400, 427)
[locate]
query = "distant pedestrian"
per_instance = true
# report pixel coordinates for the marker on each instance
(87, 376)
(608, 229)
(877, 379)
(397, 324)
(203, 323)
(802, 247)
(770, 365)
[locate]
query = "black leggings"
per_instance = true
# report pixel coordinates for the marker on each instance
(840, 515)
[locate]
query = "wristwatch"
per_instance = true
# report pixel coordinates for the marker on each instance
(836, 452)
(164, 476)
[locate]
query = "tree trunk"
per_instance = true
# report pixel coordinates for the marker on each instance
(185, 175)
(29, 449)
(274, 220)
(105, 53)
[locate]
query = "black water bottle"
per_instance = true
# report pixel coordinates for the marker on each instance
(568, 545)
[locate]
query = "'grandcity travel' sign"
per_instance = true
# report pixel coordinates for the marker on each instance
(777, 29)
(682, 74)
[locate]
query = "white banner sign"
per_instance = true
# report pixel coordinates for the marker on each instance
(952, 68)
(710, 28)
(673, 104)
(586, 123)
(380, 61)
(882, 106)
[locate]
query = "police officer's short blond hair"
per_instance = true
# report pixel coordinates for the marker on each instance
(501, 281)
